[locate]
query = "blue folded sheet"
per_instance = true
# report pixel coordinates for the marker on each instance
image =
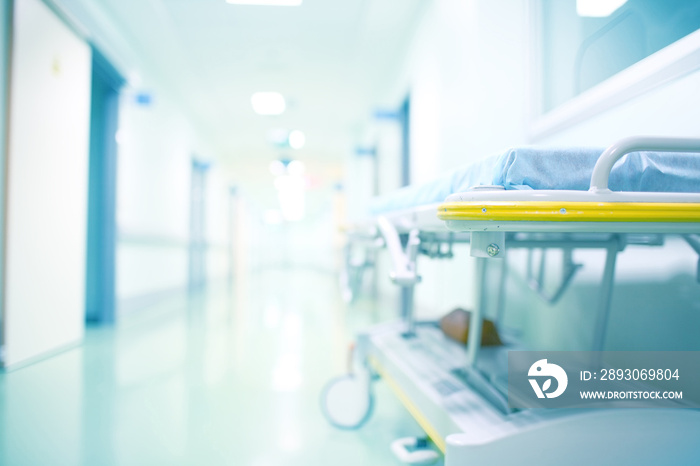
(553, 168)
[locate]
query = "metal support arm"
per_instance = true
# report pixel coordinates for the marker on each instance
(403, 265)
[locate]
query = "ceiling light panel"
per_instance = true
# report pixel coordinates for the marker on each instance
(268, 103)
(296, 139)
(598, 8)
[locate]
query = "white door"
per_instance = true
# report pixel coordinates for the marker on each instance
(47, 172)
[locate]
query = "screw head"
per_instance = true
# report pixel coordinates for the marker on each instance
(492, 249)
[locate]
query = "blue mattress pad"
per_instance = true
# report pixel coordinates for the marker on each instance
(552, 168)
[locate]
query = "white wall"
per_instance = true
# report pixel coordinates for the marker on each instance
(388, 152)
(672, 109)
(218, 230)
(153, 196)
(5, 22)
(467, 79)
(156, 146)
(358, 185)
(47, 177)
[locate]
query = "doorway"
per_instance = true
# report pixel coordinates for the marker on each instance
(404, 121)
(102, 191)
(198, 242)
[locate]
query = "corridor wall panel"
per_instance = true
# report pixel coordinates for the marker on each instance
(47, 174)
(5, 27)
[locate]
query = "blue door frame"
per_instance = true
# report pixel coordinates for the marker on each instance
(197, 276)
(404, 121)
(102, 191)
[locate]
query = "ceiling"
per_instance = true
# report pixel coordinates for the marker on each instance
(334, 61)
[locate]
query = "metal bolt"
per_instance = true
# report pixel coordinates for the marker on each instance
(492, 250)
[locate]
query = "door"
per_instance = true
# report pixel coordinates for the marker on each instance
(46, 188)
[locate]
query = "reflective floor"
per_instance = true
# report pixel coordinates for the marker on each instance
(230, 376)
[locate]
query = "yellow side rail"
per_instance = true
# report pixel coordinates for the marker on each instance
(547, 211)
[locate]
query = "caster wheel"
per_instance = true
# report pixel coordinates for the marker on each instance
(347, 402)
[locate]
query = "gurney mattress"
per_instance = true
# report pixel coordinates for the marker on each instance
(535, 168)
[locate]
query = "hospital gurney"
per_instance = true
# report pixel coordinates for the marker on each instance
(457, 393)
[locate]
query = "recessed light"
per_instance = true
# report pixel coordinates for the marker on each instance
(277, 168)
(296, 139)
(598, 8)
(268, 103)
(266, 2)
(296, 168)
(278, 137)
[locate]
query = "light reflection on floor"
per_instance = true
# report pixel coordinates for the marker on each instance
(226, 377)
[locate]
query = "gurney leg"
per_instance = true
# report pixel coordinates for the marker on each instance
(406, 303)
(346, 283)
(501, 298)
(605, 295)
(471, 374)
(477, 314)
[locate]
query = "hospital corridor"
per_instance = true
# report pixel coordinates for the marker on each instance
(364, 232)
(210, 379)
